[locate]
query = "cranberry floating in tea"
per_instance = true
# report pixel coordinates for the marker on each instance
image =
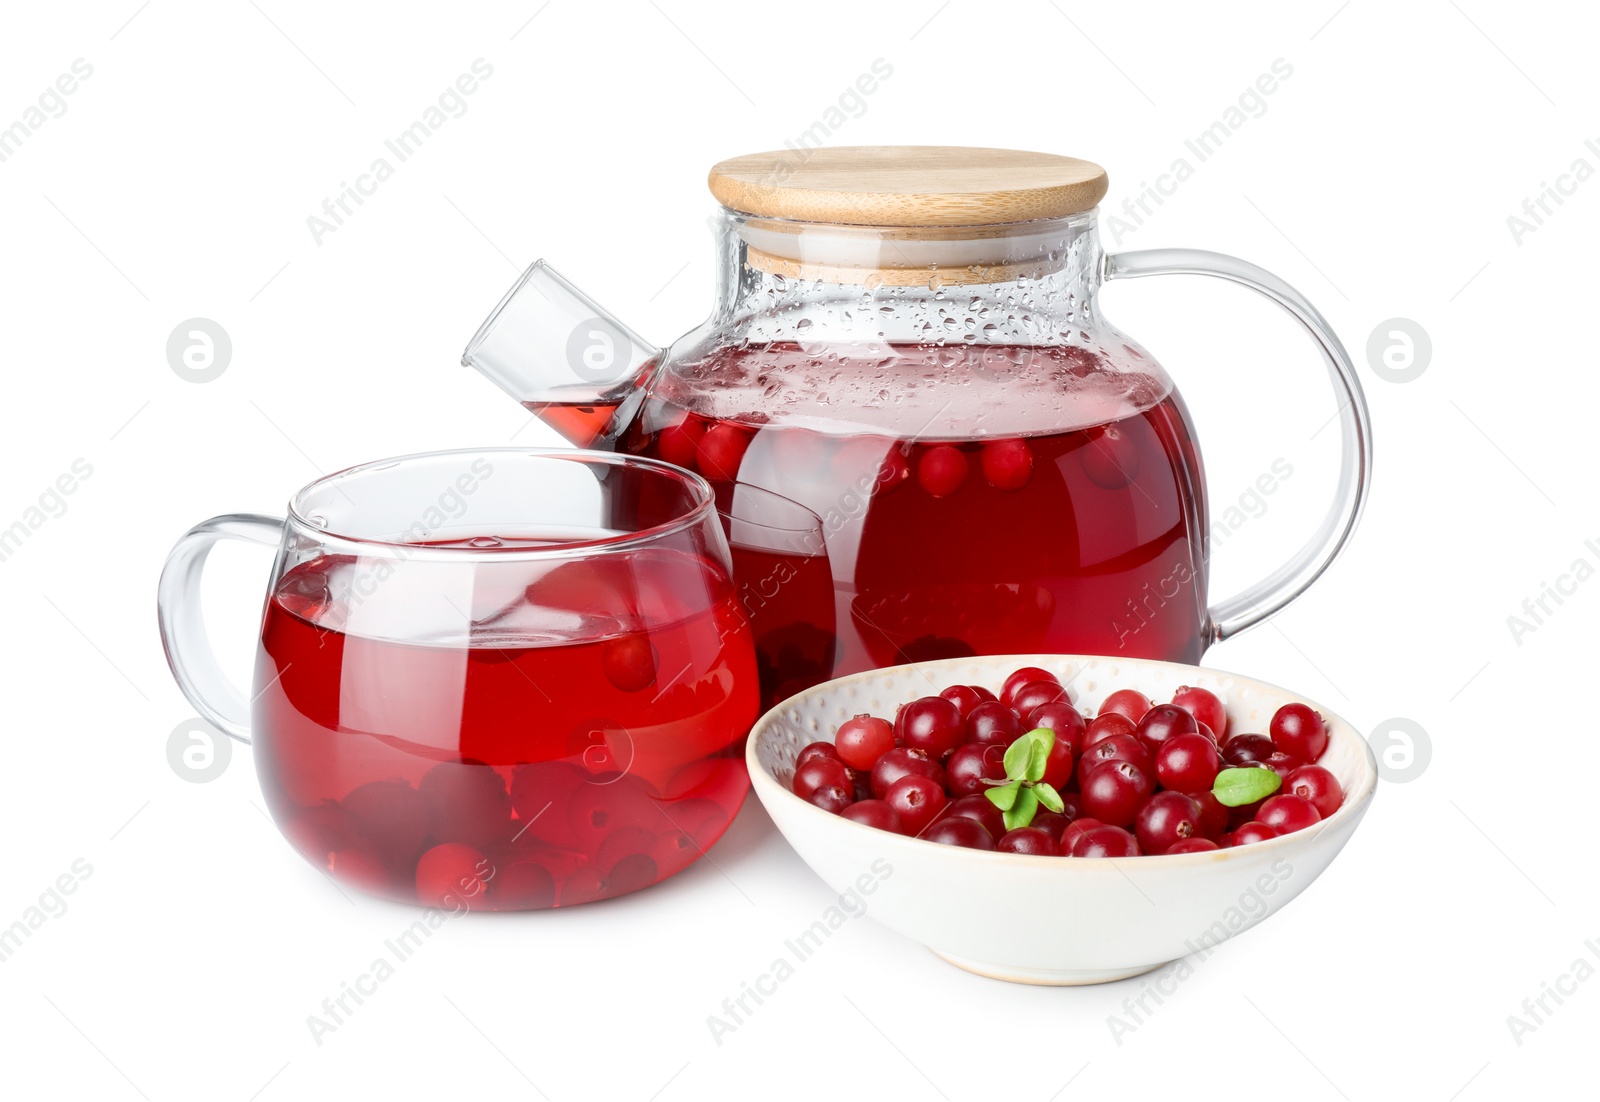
(907, 343)
(498, 680)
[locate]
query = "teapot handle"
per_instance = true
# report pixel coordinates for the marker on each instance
(183, 629)
(1266, 597)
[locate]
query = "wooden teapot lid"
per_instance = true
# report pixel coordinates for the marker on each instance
(907, 185)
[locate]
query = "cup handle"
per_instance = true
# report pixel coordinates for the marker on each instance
(183, 629)
(1266, 597)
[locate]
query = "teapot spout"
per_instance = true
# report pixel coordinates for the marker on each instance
(560, 354)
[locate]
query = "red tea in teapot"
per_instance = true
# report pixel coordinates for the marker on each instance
(582, 739)
(946, 540)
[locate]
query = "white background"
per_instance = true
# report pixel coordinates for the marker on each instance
(1378, 180)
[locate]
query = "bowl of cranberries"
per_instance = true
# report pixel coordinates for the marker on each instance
(1062, 819)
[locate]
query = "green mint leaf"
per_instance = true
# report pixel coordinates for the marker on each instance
(1004, 797)
(1041, 740)
(1018, 754)
(1021, 813)
(1049, 797)
(1238, 787)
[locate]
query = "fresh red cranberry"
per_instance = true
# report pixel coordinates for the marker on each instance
(1025, 675)
(1209, 733)
(1058, 766)
(942, 469)
(971, 765)
(1035, 693)
(821, 773)
(629, 662)
(1075, 830)
(1110, 456)
(992, 722)
(1192, 845)
(917, 800)
(721, 451)
(1282, 764)
(1164, 721)
(1052, 823)
(1188, 763)
(814, 750)
(1104, 725)
(861, 741)
(1114, 791)
(1106, 841)
(966, 697)
(1248, 833)
(1028, 839)
(863, 783)
(873, 813)
(1288, 813)
(1205, 706)
(678, 443)
(1314, 783)
(901, 762)
(455, 877)
(980, 809)
(1213, 814)
(1116, 748)
(1007, 464)
(833, 798)
(1166, 819)
(931, 724)
(1062, 718)
(957, 831)
(1299, 730)
(1246, 813)
(1126, 702)
(1243, 750)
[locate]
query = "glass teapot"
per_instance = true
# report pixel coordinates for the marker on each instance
(907, 343)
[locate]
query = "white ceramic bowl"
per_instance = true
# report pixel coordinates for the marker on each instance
(1050, 920)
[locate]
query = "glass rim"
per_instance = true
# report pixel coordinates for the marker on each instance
(703, 504)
